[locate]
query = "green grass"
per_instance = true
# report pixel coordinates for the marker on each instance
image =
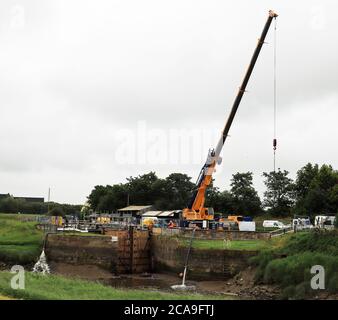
(84, 234)
(4, 298)
(262, 229)
(52, 287)
(236, 244)
(20, 241)
(323, 242)
(231, 245)
(288, 265)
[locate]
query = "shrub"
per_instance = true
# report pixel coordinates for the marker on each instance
(292, 273)
(288, 292)
(296, 269)
(333, 284)
(57, 211)
(261, 261)
(324, 242)
(302, 291)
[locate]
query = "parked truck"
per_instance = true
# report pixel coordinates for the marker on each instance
(325, 222)
(301, 223)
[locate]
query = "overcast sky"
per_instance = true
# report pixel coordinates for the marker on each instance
(92, 92)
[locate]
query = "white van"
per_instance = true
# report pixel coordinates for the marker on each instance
(274, 224)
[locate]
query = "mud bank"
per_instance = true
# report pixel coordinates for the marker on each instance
(241, 286)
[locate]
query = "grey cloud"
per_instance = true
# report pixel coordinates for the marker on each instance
(76, 72)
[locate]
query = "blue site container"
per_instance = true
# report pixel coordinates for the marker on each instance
(247, 218)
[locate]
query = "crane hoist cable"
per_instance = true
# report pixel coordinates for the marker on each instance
(274, 141)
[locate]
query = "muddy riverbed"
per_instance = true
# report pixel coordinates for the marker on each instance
(240, 287)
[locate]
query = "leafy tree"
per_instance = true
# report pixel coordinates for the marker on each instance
(95, 196)
(141, 189)
(56, 211)
(173, 192)
(245, 199)
(213, 197)
(12, 205)
(304, 178)
(70, 209)
(316, 190)
(9, 205)
(323, 194)
(178, 189)
(114, 198)
(333, 198)
(222, 202)
(279, 196)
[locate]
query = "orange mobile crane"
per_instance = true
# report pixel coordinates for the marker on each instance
(196, 212)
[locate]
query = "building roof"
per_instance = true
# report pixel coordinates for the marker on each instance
(151, 213)
(135, 208)
(31, 199)
(168, 213)
(160, 213)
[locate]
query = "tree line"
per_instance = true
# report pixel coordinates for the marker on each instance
(9, 204)
(314, 191)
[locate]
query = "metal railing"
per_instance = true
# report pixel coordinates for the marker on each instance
(280, 232)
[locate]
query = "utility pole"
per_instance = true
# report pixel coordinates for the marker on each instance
(48, 199)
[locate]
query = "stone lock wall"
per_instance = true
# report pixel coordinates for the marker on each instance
(136, 252)
(169, 255)
(129, 254)
(81, 250)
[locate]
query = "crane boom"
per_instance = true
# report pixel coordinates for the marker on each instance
(196, 209)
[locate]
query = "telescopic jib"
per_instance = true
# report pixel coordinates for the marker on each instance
(196, 209)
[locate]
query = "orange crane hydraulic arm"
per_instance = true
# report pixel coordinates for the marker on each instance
(196, 210)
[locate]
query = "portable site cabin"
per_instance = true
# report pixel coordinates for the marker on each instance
(162, 218)
(133, 213)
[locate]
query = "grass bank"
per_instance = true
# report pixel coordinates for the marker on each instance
(52, 287)
(289, 265)
(20, 241)
(256, 245)
(230, 245)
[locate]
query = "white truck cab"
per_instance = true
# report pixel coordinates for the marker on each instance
(301, 223)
